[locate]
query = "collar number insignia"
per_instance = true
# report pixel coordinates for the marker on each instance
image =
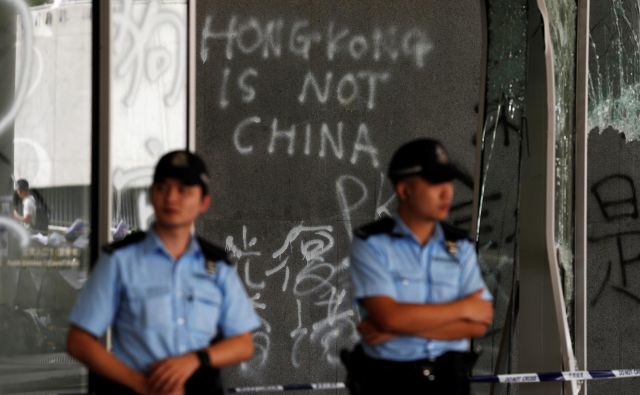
(452, 247)
(211, 267)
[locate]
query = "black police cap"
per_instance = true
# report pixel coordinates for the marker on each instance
(422, 157)
(185, 167)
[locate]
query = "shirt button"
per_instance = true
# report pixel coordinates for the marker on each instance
(182, 348)
(180, 321)
(405, 281)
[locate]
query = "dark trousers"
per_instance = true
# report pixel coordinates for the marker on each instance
(204, 381)
(445, 375)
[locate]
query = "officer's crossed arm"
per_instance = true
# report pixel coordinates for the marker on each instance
(373, 287)
(170, 374)
(454, 331)
(466, 317)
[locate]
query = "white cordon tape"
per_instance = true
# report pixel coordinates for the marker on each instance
(288, 387)
(518, 378)
(582, 375)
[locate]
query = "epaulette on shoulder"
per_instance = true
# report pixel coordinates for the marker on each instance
(383, 225)
(212, 252)
(452, 233)
(131, 238)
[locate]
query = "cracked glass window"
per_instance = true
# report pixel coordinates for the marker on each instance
(503, 145)
(613, 153)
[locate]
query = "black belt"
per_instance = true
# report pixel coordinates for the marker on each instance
(458, 360)
(450, 370)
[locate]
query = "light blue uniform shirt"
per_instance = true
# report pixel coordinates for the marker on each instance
(394, 264)
(158, 307)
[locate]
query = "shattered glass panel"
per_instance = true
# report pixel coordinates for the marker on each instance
(614, 65)
(562, 22)
(613, 233)
(503, 143)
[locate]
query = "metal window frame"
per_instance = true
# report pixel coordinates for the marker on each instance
(582, 75)
(191, 74)
(101, 198)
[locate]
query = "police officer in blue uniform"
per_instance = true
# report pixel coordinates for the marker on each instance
(166, 294)
(418, 286)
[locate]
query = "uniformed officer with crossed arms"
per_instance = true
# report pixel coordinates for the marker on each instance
(166, 295)
(418, 286)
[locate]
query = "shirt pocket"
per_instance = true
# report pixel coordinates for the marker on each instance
(204, 310)
(151, 307)
(445, 280)
(410, 286)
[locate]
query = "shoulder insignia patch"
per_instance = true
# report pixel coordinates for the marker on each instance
(452, 235)
(212, 254)
(383, 225)
(132, 238)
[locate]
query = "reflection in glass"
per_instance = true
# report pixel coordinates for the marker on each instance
(45, 165)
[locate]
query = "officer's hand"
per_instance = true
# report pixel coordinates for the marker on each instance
(168, 376)
(371, 334)
(477, 309)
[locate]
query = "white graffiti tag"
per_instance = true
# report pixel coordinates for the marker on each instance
(136, 55)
